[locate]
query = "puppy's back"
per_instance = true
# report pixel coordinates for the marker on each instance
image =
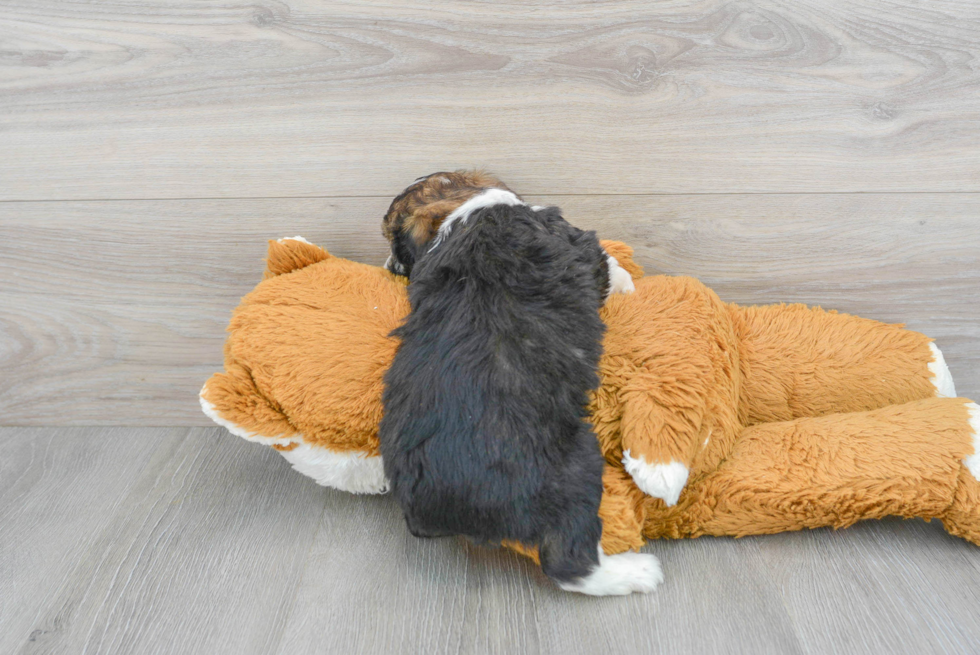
(485, 401)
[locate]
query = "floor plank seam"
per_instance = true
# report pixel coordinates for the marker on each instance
(664, 194)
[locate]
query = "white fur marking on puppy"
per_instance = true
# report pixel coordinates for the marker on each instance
(296, 238)
(618, 575)
(941, 378)
(212, 413)
(972, 462)
(398, 268)
(619, 280)
(537, 208)
(354, 472)
(665, 481)
(488, 198)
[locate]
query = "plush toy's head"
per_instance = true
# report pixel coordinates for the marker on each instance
(416, 214)
(304, 361)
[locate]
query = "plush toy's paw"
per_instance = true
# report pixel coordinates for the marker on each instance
(941, 378)
(351, 471)
(972, 462)
(665, 481)
(619, 280)
(211, 411)
(618, 575)
(354, 472)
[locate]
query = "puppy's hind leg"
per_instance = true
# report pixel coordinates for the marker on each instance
(577, 563)
(420, 529)
(572, 556)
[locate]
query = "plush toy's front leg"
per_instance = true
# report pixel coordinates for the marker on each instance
(620, 281)
(799, 361)
(622, 268)
(661, 433)
(918, 459)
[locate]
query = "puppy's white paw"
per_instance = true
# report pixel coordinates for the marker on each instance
(618, 575)
(395, 267)
(619, 280)
(296, 238)
(665, 481)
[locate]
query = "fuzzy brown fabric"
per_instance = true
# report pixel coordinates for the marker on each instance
(788, 417)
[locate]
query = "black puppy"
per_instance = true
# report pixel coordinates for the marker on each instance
(484, 431)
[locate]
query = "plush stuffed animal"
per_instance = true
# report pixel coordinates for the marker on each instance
(714, 419)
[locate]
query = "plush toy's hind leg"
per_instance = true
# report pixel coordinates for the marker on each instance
(962, 518)
(906, 460)
(799, 361)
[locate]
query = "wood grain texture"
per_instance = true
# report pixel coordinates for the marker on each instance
(883, 572)
(113, 313)
(173, 99)
(447, 596)
(58, 497)
(804, 151)
(157, 540)
(881, 587)
(151, 541)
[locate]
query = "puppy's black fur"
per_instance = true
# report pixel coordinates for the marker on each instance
(484, 431)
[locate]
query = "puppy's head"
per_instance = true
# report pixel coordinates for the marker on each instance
(415, 215)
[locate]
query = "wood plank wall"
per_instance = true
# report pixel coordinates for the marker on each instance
(816, 151)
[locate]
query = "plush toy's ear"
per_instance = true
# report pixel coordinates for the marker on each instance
(624, 255)
(289, 254)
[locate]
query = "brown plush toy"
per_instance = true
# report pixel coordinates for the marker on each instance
(714, 419)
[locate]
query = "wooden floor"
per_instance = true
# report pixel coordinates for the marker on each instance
(187, 540)
(800, 151)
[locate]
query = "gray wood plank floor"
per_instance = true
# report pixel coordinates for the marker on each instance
(125, 328)
(801, 151)
(166, 540)
(169, 99)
